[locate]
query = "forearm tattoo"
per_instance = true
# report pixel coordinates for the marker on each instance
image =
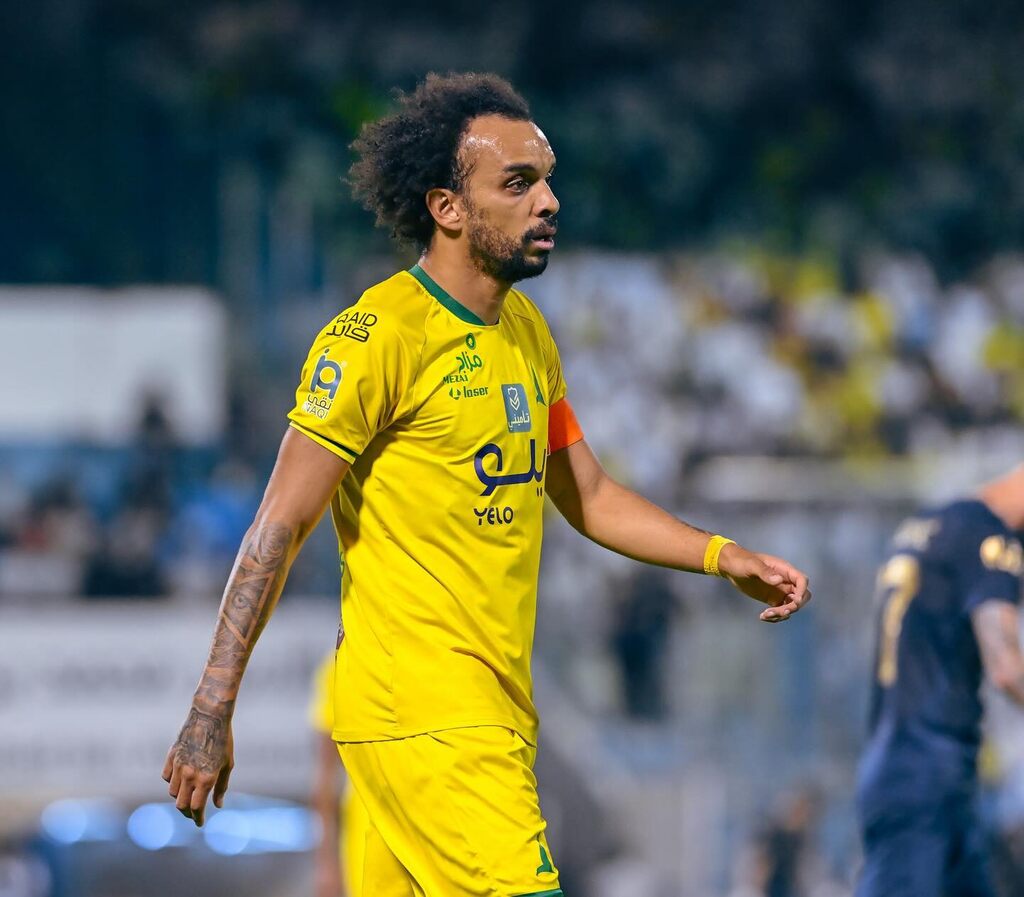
(248, 602)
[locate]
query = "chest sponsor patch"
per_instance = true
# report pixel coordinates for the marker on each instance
(517, 407)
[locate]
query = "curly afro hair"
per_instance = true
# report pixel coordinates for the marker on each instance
(415, 149)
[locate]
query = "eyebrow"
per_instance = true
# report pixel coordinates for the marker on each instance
(523, 167)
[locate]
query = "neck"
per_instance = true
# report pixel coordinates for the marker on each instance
(1005, 498)
(480, 293)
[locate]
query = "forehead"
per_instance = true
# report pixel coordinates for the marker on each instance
(492, 143)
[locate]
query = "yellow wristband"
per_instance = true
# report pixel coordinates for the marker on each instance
(711, 553)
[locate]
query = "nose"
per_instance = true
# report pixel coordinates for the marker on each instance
(547, 203)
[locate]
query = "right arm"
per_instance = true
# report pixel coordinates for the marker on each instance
(997, 628)
(305, 477)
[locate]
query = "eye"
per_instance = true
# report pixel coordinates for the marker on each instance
(518, 185)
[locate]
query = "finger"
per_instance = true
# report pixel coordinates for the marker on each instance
(799, 580)
(791, 573)
(798, 599)
(175, 783)
(780, 611)
(198, 803)
(183, 803)
(168, 766)
(222, 786)
(793, 577)
(785, 610)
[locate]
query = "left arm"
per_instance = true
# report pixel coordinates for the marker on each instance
(622, 521)
(997, 629)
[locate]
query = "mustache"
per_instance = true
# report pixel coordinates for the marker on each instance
(548, 229)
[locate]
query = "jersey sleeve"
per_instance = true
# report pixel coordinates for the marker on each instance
(556, 380)
(563, 427)
(321, 701)
(991, 567)
(352, 382)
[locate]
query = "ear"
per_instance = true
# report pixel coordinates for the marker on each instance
(445, 208)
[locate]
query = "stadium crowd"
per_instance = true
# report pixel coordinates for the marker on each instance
(744, 353)
(670, 361)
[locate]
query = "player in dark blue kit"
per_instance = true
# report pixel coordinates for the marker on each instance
(948, 612)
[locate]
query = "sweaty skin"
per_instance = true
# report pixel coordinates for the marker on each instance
(506, 196)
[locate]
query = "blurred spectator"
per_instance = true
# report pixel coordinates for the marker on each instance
(785, 860)
(642, 627)
(125, 563)
(49, 535)
(767, 355)
(58, 521)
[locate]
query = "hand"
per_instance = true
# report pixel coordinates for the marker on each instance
(767, 579)
(200, 760)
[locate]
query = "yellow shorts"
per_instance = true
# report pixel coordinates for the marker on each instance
(451, 814)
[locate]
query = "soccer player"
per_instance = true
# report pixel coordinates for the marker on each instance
(432, 416)
(949, 592)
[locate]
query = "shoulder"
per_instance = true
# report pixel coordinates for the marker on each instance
(398, 302)
(526, 312)
(392, 310)
(970, 519)
(974, 533)
(518, 303)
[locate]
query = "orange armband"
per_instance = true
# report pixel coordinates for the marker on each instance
(563, 428)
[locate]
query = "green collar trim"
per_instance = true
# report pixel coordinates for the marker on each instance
(453, 305)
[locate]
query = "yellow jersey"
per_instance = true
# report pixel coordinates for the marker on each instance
(445, 422)
(321, 700)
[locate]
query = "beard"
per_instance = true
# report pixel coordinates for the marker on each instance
(500, 256)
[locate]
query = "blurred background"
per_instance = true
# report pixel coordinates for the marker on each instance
(789, 297)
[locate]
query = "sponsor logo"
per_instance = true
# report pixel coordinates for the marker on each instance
(467, 392)
(1005, 555)
(317, 407)
(468, 363)
(492, 481)
(538, 392)
(326, 376)
(517, 408)
(354, 325)
(545, 860)
(494, 516)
